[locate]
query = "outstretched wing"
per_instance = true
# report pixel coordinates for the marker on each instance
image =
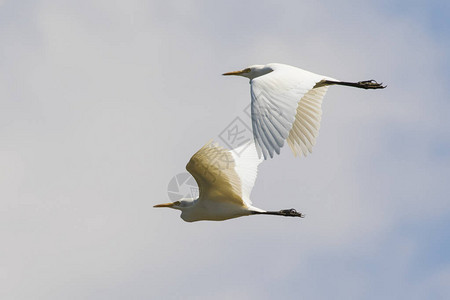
(225, 175)
(286, 106)
(305, 129)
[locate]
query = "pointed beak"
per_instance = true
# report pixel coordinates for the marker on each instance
(164, 205)
(234, 73)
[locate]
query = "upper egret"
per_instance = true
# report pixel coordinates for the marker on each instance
(225, 179)
(286, 105)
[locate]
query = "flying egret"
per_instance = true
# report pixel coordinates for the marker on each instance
(286, 105)
(225, 179)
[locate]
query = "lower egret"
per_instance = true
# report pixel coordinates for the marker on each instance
(225, 179)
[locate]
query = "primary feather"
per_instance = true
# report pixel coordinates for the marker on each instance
(286, 106)
(225, 175)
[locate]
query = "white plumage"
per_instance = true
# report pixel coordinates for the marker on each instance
(286, 104)
(225, 179)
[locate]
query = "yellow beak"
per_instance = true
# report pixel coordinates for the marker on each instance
(164, 205)
(234, 73)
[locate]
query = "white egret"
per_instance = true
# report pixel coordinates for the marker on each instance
(225, 179)
(286, 105)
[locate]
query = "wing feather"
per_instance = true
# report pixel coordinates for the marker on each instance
(286, 106)
(228, 175)
(304, 135)
(307, 120)
(247, 161)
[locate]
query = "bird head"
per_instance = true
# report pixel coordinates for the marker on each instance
(180, 205)
(251, 72)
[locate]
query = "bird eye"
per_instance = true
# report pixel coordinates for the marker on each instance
(247, 70)
(177, 203)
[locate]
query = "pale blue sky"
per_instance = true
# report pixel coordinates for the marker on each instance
(103, 102)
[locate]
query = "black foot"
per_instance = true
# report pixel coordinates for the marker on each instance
(291, 213)
(370, 84)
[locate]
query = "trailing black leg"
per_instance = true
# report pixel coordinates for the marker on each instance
(285, 212)
(367, 84)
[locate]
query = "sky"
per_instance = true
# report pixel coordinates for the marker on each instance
(104, 102)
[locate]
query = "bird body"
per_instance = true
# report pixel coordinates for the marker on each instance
(213, 210)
